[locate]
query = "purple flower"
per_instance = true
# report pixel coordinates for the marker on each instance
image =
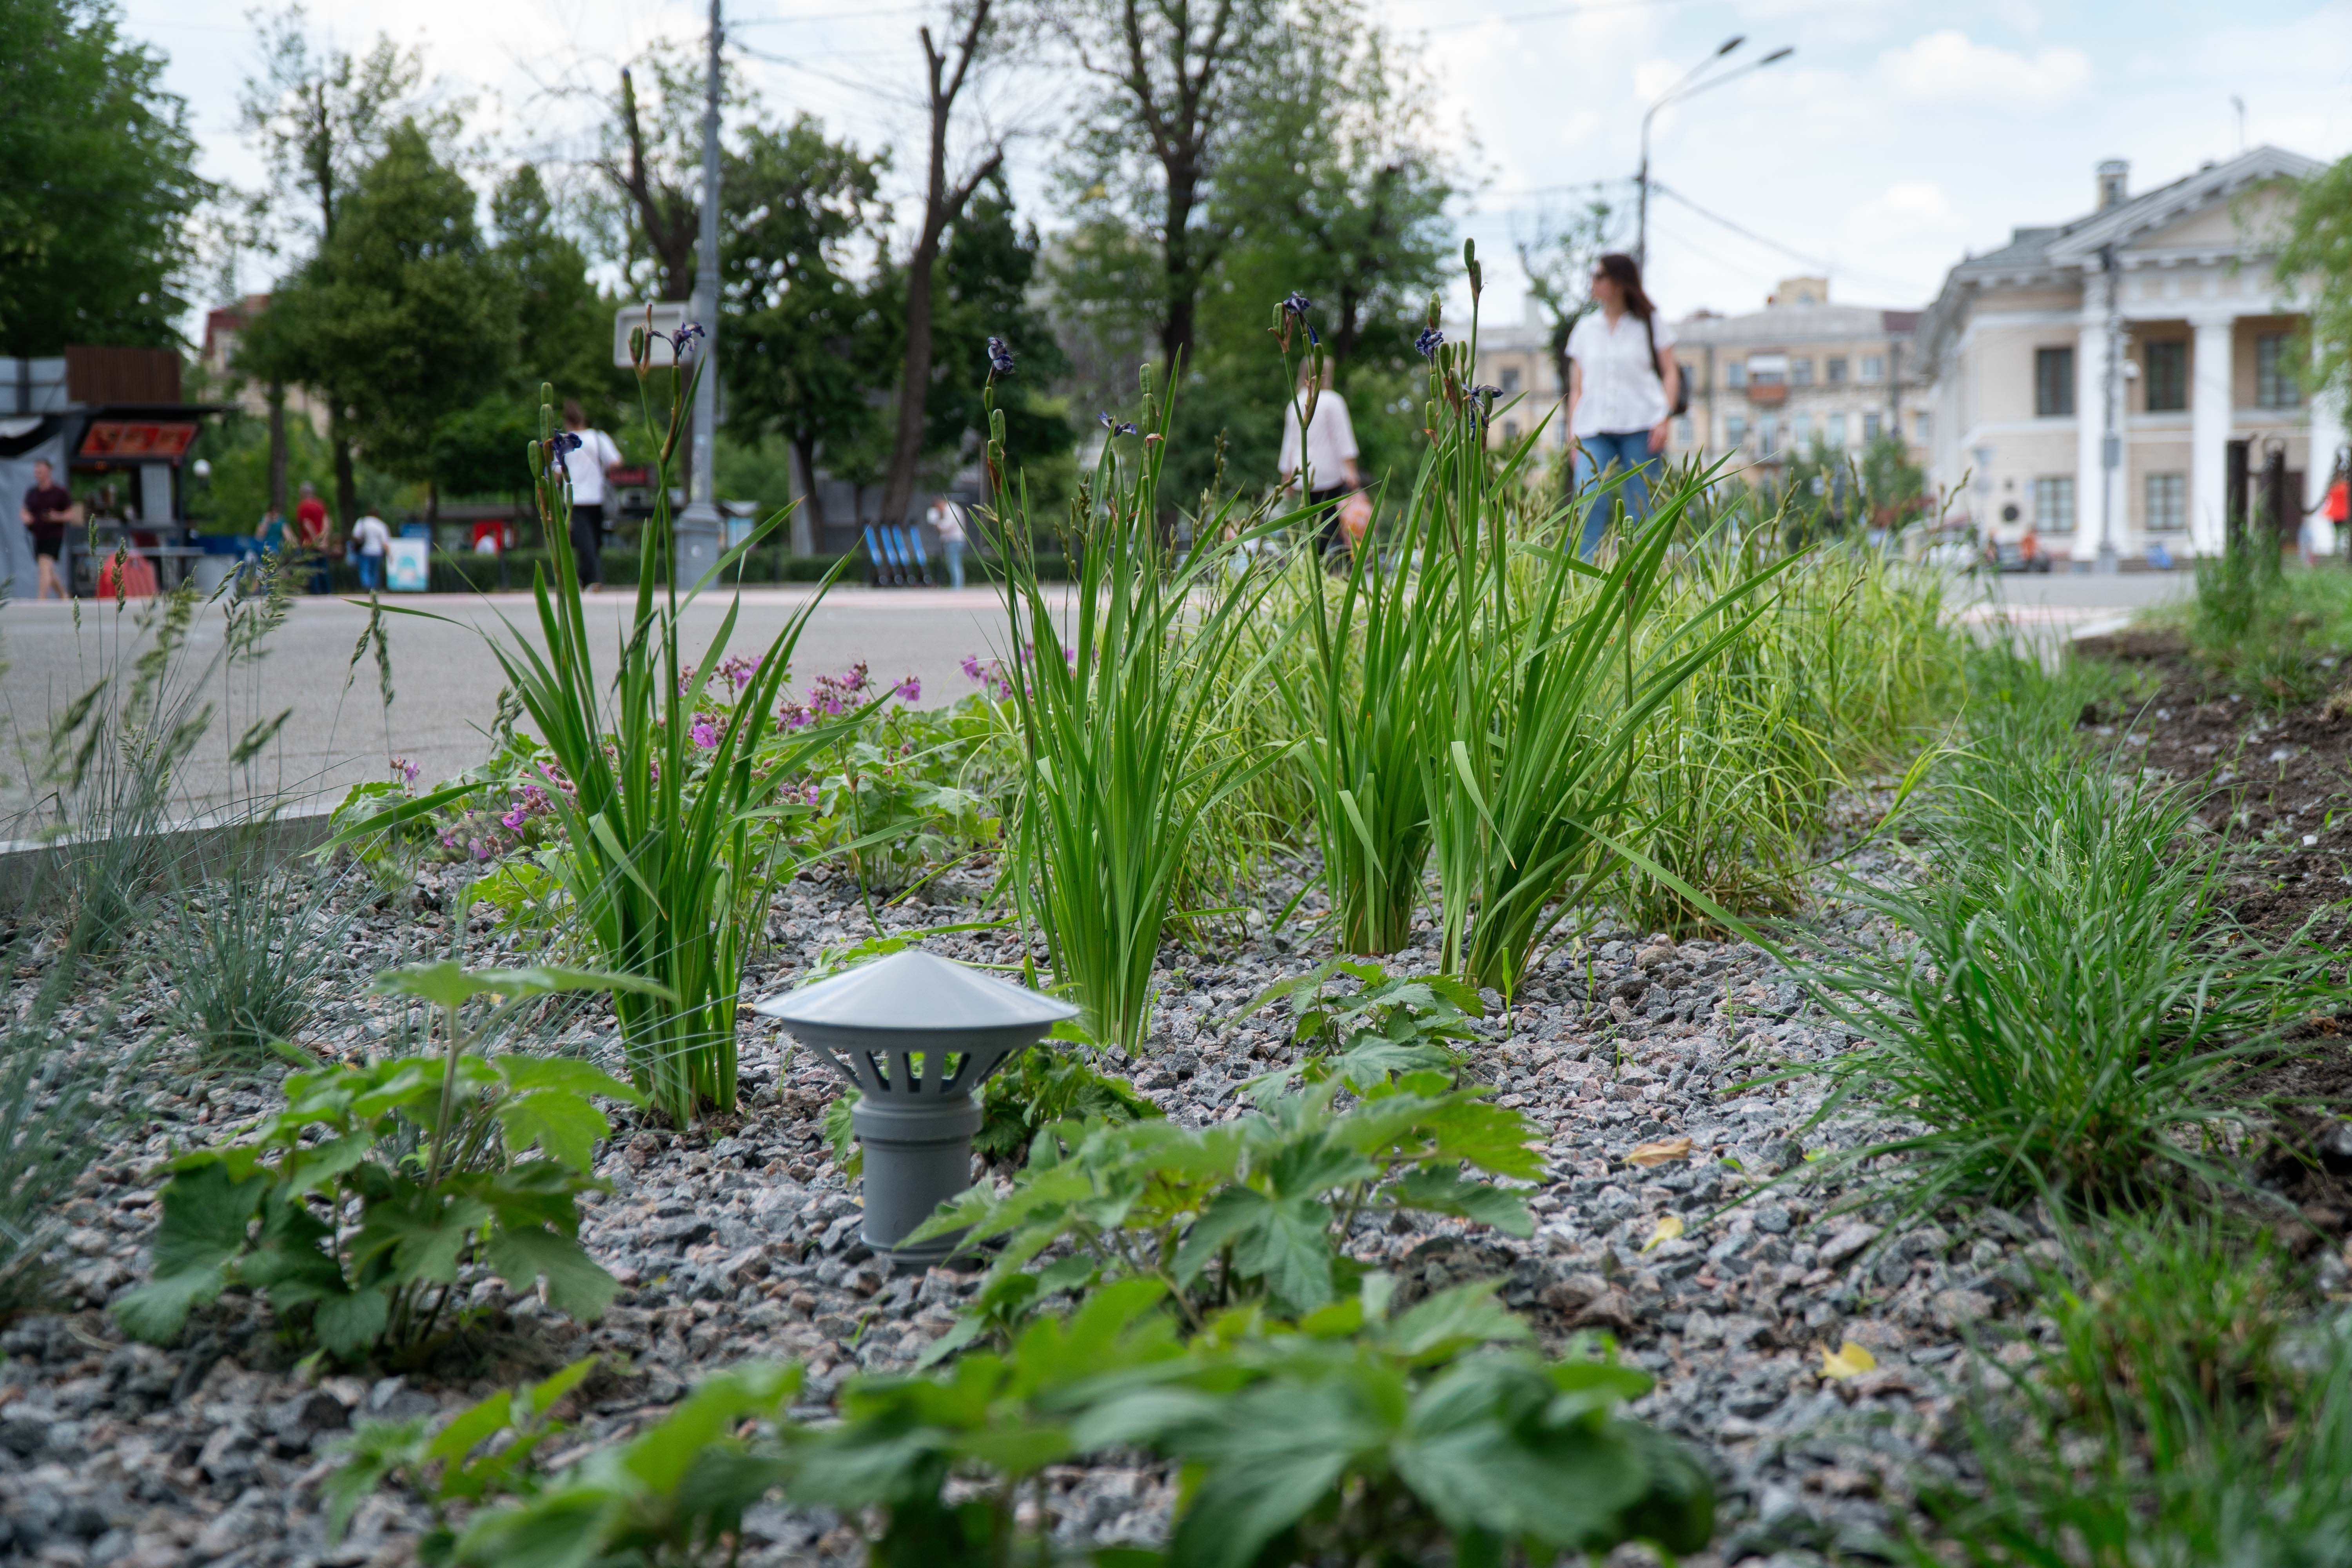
(1000, 358)
(1115, 426)
(682, 342)
(513, 820)
(1429, 342)
(405, 769)
(563, 441)
(910, 689)
(971, 668)
(705, 732)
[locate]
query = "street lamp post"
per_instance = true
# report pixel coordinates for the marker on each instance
(1687, 88)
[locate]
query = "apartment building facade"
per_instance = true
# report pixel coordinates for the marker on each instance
(2087, 378)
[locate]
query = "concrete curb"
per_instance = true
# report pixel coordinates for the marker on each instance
(198, 848)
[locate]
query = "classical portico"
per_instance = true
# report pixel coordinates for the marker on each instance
(2090, 377)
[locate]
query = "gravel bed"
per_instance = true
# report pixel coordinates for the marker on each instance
(740, 1241)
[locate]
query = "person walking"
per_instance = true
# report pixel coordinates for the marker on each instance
(947, 522)
(45, 511)
(1622, 388)
(1328, 452)
(370, 542)
(584, 468)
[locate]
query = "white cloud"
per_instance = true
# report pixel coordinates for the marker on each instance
(1915, 198)
(1948, 67)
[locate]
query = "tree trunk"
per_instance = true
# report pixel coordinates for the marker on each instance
(811, 498)
(277, 447)
(347, 483)
(942, 206)
(1183, 287)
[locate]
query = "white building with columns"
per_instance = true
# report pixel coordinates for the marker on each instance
(2086, 378)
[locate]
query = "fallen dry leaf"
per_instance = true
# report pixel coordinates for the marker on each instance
(1659, 1152)
(1669, 1227)
(1850, 1360)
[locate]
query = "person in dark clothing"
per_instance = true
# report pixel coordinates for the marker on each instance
(47, 511)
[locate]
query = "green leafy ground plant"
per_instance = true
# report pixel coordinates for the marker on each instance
(1382, 1026)
(1251, 1210)
(1353, 1435)
(448, 1163)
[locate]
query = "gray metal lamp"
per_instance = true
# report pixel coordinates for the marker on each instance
(918, 1033)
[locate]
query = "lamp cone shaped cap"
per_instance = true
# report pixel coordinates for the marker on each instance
(914, 993)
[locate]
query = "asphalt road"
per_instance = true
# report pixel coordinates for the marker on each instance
(444, 683)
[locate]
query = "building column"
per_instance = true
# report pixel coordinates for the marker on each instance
(2319, 463)
(2089, 423)
(2210, 415)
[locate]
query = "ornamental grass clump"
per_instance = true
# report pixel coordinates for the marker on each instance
(2064, 1009)
(1116, 695)
(668, 816)
(1557, 669)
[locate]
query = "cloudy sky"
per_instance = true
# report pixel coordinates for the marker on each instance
(1900, 134)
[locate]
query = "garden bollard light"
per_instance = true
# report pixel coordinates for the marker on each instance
(918, 1033)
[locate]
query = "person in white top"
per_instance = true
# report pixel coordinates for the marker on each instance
(947, 522)
(1622, 386)
(584, 468)
(371, 541)
(1330, 445)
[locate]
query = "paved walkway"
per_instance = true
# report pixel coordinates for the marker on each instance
(445, 684)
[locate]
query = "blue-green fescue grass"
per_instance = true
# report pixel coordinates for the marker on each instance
(1119, 714)
(2064, 1010)
(2184, 1408)
(252, 945)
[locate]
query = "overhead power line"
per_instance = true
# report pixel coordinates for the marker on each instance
(1818, 263)
(1550, 13)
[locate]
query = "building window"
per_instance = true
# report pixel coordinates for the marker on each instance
(1683, 432)
(2053, 504)
(1837, 370)
(1735, 374)
(2274, 380)
(1735, 431)
(1768, 370)
(1800, 431)
(2168, 502)
(1837, 426)
(1510, 432)
(1870, 427)
(2168, 376)
(1800, 372)
(1510, 382)
(1924, 422)
(1768, 436)
(1873, 368)
(2053, 383)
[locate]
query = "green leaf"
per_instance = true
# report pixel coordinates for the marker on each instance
(447, 984)
(204, 1230)
(1444, 1191)
(350, 1324)
(576, 1284)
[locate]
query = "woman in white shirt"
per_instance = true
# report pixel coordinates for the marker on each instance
(1622, 386)
(1330, 447)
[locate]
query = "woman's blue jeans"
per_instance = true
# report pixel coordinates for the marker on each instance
(954, 550)
(1626, 449)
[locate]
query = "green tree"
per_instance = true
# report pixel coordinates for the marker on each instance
(988, 272)
(563, 324)
(805, 340)
(99, 186)
(322, 115)
(401, 316)
(2319, 249)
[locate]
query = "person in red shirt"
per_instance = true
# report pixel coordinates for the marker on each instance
(311, 529)
(47, 508)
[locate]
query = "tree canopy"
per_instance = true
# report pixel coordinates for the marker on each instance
(100, 183)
